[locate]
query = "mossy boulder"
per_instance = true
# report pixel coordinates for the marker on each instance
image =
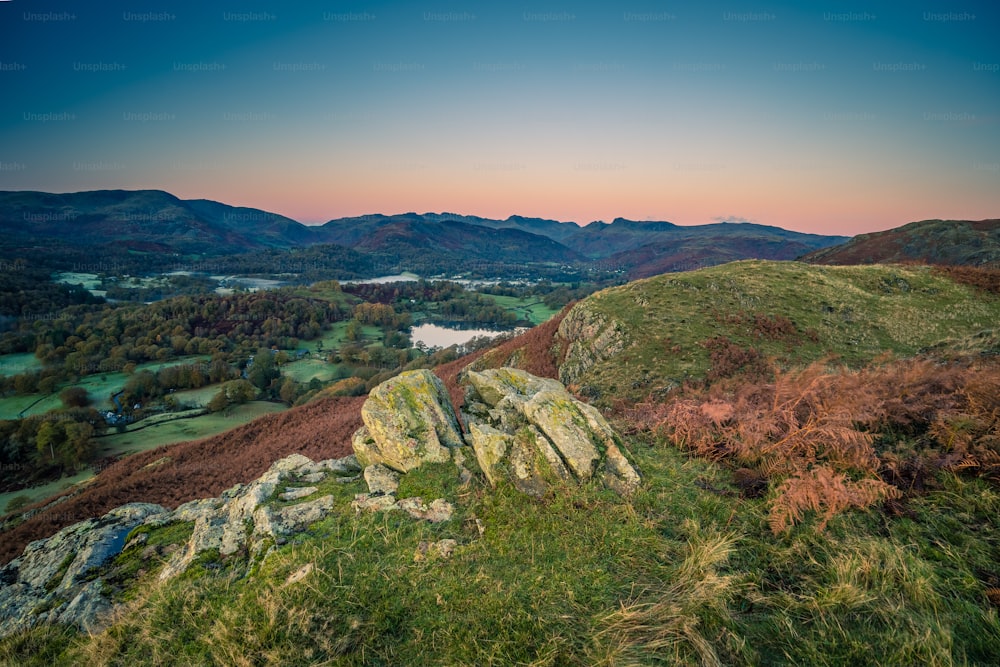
(408, 421)
(533, 432)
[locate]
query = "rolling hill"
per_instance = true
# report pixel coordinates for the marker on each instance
(956, 242)
(144, 221)
(639, 249)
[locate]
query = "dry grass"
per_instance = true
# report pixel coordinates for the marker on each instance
(826, 437)
(672, 626)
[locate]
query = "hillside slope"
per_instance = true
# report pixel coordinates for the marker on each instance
(652, 335)
(692, 568)
(144, 220)
(174, 474)
(958, 242)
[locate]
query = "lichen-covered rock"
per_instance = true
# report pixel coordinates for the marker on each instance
(533, 432)
(53, 572)
(590, 338)
(439, 510)
(367, 502)
(297, 493)
(408, 421)
(275, 521)
(490, 446)
(497, 384)
(229, 523)
(381, 479)
(558, 417)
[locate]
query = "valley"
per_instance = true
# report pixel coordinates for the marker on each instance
(807, 445)
(364, 330)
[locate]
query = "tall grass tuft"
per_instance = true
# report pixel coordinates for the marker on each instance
(679, 619)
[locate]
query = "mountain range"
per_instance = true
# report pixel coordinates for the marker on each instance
(144, 227)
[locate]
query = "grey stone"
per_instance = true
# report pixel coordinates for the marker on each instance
(347, 465)
(89, 610)
(220, 524)
(408, 421)
(438, 511)
(381, 480)
(52, 571)
(275, 521)
(535, 433)
(364, 502)
(294, 493)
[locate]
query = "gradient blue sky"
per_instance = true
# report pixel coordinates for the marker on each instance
(828, 117)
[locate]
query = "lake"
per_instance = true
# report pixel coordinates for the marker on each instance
(381, 280)
(434, 335)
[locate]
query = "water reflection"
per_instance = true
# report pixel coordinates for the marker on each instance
(434, 335)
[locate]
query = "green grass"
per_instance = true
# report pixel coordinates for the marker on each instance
(16, 364)
(527, 308)
(43, 491)
(685, 572)
(180, 430)
(853, 313)
(304, 370)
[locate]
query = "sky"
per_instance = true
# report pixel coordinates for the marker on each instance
(826, 117)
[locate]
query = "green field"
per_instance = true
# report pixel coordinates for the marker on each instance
(15, 364)
(99, 386)
(305, 370)
(118, 444)
(527, 308)
(89, 281)
(194, 397)
(334, 338)
(43, 491)
(149, 437)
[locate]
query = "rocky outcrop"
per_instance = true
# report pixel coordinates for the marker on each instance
(590, 338)
(533, 432)
(242, 518)
(51, 581)
(408, 421)
(527, 429)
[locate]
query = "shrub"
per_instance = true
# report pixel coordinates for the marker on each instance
(829, 439)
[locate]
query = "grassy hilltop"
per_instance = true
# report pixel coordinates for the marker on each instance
(682, 326)
(708, 376)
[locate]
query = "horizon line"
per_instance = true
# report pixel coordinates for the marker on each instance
(730, 220)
